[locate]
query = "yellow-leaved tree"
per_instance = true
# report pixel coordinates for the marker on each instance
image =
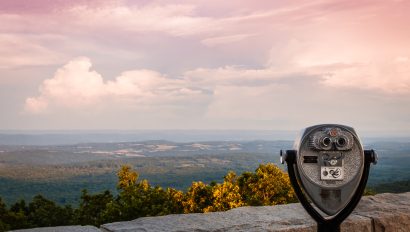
(268, 185)
(226, 195)
(126, 177)
(197, 198)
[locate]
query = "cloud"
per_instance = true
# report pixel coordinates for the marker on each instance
(76, 86)
(391, 76)
(296, 100)
(220, 98)
(254, 28)
(172, 18)
(17, 51)
(46, 6)
(239, 62)
(240, 76)
(214, 41)
(36, 105)
(385, 72)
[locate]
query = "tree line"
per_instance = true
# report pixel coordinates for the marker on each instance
(268, 185)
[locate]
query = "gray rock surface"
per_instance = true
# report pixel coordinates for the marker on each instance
(62, 229)
(389, 212)
(383, 212)
(239, 219)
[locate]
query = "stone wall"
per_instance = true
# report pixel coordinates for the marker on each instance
(383, 212)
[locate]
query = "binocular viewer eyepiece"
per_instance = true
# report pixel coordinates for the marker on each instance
(328, 167)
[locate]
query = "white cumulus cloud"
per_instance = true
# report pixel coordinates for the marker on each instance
(77, 86)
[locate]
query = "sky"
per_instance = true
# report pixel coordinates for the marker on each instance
(246, 65)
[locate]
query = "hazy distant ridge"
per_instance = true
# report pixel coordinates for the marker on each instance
(74, 137)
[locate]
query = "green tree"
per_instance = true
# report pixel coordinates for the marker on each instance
(139, 198)
(43, 212)
(3, 214)
(17, 216)
(92, 209)
(19, 207)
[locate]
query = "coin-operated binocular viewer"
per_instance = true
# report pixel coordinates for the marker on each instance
(328, 168)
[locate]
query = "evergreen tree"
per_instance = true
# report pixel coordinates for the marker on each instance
(18, 215)
(92, 210)
(19, 207)
(43, 213)
(3, 214)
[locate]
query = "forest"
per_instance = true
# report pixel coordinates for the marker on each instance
(93, 184)
(267, 185)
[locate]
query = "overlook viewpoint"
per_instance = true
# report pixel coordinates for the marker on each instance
(382, 212)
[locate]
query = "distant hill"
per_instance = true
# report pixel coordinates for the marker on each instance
(60, 172)
(393, 187)
(75, 137)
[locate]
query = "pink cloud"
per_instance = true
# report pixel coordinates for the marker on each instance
(47, 6)
(222, 40)
(230, 59)
(390, 76)
(19, 51)
(76, 86)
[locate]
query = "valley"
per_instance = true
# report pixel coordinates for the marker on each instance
(60, 172)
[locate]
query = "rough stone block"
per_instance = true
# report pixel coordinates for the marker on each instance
(62, 229)
(390, 212)
(284, 218)
(383, 212)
